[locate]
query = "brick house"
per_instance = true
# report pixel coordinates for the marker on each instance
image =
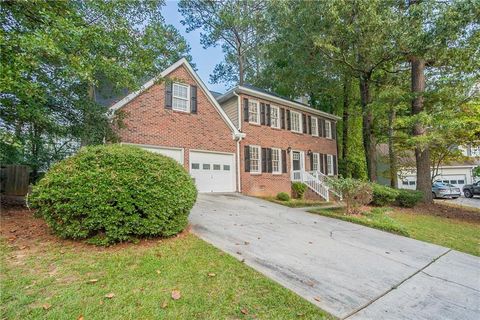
(247, 140)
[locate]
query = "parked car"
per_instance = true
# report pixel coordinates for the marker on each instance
(470, 190)
(445, 190)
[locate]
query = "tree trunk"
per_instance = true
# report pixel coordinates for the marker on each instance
(345, 131)
(369, 142)
(422, 152)
(392, 157)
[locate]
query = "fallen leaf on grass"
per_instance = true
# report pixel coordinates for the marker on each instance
(158, 271)
(80, 317)
(46, 306)
(176, 295)
(244, 311)
(164, 305)
(110, 295)
(211, 274)
(92, 280)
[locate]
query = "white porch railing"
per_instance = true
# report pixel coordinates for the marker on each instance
(316, 181)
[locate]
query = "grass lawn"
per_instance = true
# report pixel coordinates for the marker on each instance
(45, 278)
(299, 203)
(459, 234)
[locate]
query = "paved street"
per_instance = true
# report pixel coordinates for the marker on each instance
(349, 270)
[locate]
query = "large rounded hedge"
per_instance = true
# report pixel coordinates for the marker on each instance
(115, 193)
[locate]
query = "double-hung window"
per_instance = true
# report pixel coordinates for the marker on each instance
(275, 117)
(181, 97)
(255, 160)
(328, 130)
(296, 121)
(330, 165)
(316, 162)
(276, 161)
(315, 126)
(253, 112)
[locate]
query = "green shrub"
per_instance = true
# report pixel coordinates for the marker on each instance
(383, 195)
(283, 196)
(115, 193)
(354, 192)
(409, 198)
(299, 189)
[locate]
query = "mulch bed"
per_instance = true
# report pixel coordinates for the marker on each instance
(446, 211)
(24, 231)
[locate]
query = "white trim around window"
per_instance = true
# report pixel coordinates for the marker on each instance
(296, 121)
(253, 112)
(328, 129)
(314, 126)
(276, 161)
(255, 159)
(180, 97)
(330, 165)
(316, 162)
(275, 117)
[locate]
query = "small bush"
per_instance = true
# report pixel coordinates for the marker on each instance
(383, 195)
(354, 192)
(299, 189)
(283, 196)
(408, 198)
(115, 193)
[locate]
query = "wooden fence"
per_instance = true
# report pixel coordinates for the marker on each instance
(14, 180)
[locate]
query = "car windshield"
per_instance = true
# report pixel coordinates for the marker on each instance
(439, 184)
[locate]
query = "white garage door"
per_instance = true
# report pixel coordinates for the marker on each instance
(175, 153)
(213, 172)
(458, 180)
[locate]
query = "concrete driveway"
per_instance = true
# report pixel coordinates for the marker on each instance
(462, 201)
(348, 270)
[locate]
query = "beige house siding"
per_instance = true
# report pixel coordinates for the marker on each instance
(231, 109)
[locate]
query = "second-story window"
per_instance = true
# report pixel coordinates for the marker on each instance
(180, 98)
(314, 126)
(275, 117)
(253, 112)
(328, 130)
(296, 121)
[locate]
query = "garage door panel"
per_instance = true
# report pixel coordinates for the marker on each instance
(213, 172)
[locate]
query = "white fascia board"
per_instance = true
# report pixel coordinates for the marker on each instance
(298, 106)
(236, 134)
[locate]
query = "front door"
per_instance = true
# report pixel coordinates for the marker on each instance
(298, 164)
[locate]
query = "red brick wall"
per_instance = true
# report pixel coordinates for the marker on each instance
(268, 184)
(148, 122)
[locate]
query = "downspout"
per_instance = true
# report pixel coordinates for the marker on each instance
(239, 182)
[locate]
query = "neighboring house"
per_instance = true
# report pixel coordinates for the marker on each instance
(458, 173)
(246, 140)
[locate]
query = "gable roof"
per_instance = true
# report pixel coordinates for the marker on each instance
(166, 72)
(272, 96)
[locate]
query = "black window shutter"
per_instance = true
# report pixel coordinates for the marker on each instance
(168, 94)
(269, 160)
(284, 161)
(334, 131)
(325, 163)
(335, 165)
(269, 115)
(245, 109)
(262, 113)
(193, 99)
(320, 127)
(311, 162)
(324, 128)
(282, 118)
(247, 159)
(322, 169)
(288, 120)
(309, 126)
(304, 121)
(264, 159)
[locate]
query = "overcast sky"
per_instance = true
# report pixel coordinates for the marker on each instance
(204, 59)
